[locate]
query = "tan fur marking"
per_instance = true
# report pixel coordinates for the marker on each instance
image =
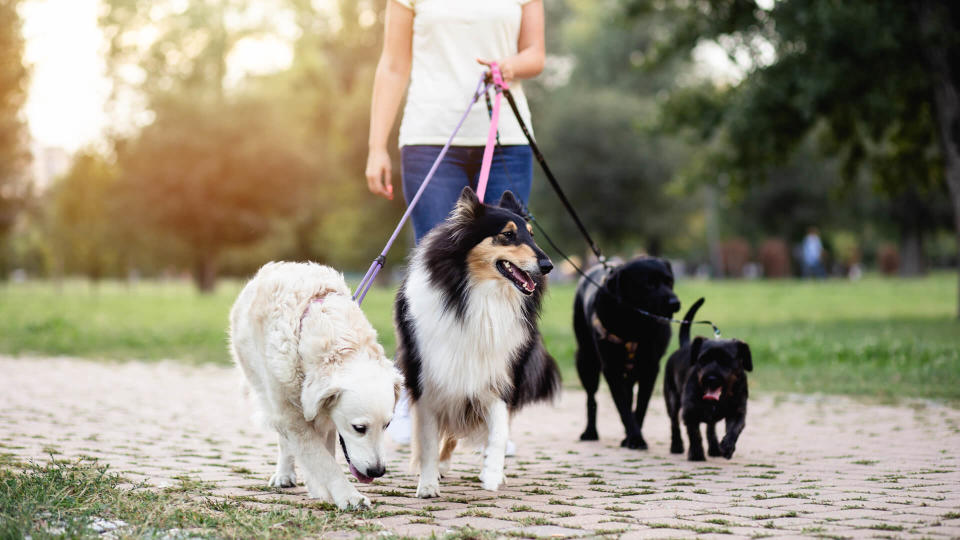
(510, 226)
(447, 447)
(529, 228)
(483, 258)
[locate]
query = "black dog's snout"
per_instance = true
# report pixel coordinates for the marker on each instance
(674, 305)
(712, 381)
(546, 265)
(377, 471)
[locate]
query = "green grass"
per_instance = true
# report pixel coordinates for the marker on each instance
(62, 499)
(881, 338)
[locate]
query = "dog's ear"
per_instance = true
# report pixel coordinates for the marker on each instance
(468, 205)
(398, 382)
(743, 352)
(695, 349)
(669, 267)
(509, 202)
(317, 395)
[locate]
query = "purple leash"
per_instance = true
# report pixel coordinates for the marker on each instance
(378, 263)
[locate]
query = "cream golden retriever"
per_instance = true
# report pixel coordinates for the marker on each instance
(313, 362)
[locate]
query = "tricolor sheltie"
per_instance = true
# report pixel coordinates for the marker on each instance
(467, 338)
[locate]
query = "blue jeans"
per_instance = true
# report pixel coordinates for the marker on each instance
(512, 168)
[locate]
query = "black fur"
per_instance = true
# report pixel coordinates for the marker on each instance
(445, 249)
(645, 283)
(693, 370)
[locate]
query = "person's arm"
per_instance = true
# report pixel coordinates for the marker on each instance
(389, 83)
(531, 51)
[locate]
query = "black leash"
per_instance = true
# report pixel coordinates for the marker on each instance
(583, 230)
(552, 179)
(603, 289)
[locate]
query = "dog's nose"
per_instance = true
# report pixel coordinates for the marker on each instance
(674, 305)
(377, 472)
(712, 381)
(546, 265)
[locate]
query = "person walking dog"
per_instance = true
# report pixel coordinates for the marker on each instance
(439, 48)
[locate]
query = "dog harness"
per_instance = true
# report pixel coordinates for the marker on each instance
(606, 335)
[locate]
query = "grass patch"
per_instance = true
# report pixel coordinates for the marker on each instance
(65, 499)
(832, 337)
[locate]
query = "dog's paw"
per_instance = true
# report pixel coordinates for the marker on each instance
(727, 449)
(353, 500)
(589, 434)
(492, 480)
(696, 456)
(283, 480)
(318, 492)
(714, 451)
(634, 442)
(428, 490)
(676, 447)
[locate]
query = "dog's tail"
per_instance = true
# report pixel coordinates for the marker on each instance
(687, 319)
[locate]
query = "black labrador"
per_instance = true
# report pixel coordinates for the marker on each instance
(613, 337)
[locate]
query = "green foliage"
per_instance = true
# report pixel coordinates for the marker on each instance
(871, 82)
(859, 338)
(214, 176)
(85, 212)
(14, 189)
(264, 167)
(596, 133)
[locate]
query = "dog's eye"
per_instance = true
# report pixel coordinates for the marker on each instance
(509, 235)
(360, 429)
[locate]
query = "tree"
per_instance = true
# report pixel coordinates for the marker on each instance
(877, 81)
(214, 177)
(595, 131)
(217, 166)
(85, 217)
(14, 188)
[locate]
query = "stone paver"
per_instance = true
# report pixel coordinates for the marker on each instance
(806, 466)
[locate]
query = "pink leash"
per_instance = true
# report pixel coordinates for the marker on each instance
(500, 86)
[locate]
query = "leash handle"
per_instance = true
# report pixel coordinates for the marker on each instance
(378, 263)
(500, 86)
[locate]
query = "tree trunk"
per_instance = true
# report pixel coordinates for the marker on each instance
(938, 27)
(205, 272)
(912, 263)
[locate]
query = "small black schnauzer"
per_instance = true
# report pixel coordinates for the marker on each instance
(706, 381)
(626, 345)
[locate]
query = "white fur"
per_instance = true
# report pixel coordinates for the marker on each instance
(460, 360)
(317, 370)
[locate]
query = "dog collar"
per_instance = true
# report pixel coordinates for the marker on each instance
(606, 335)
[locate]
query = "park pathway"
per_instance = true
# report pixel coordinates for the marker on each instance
(805, 467)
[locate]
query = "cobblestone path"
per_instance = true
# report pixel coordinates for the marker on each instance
(806, 466)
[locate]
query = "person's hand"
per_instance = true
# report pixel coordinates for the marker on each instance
(506, 68)
(378, 174)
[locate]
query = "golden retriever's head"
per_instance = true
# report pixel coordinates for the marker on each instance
(358, 397)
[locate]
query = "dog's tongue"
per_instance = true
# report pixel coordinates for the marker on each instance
(522, 277)
(359, 475)
(713, 395)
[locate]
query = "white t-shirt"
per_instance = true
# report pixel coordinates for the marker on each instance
(448, 37)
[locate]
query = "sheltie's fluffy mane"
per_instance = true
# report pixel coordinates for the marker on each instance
(466, 316)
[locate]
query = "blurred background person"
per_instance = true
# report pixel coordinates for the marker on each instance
(812, 253)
